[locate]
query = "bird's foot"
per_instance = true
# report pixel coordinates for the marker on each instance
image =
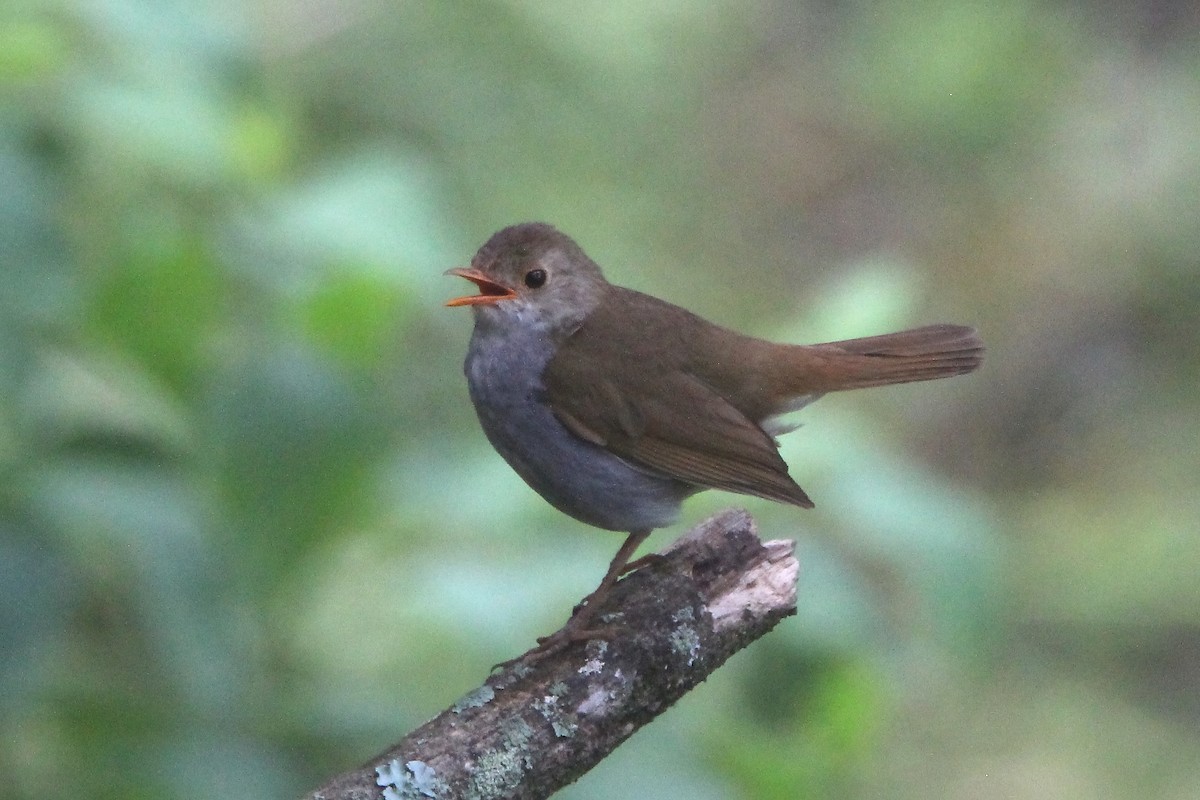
(577, 629)
(648, 560)
(557, 642)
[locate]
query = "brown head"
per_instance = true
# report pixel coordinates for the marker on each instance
(534, 276)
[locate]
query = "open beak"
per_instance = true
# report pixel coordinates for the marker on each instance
(489, 290)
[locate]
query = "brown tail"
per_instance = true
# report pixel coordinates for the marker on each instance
(921, 354)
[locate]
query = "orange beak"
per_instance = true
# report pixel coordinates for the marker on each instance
(489, 290)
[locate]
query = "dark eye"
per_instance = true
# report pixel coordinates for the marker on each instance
(535, 278)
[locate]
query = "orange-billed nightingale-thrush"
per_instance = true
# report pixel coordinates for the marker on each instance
(616, 406)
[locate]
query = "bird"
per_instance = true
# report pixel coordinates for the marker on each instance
(616, 406)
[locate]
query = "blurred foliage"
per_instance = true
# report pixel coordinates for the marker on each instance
(250, 531)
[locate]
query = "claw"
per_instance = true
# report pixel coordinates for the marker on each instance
(650, 560)
(576, 629)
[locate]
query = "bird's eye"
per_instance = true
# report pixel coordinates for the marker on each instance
(535, 278)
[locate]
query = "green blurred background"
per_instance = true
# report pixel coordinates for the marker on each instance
(250, 531)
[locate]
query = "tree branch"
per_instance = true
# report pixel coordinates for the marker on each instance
(529, 731)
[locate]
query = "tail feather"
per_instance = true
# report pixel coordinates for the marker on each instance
(920, 354)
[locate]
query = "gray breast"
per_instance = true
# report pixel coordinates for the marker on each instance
(577, 477)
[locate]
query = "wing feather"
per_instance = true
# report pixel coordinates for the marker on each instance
(662, 418)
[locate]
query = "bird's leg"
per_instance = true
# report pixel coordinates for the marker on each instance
(576, 628)
(616, 568)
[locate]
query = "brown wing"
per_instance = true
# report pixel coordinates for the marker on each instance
(628, 393)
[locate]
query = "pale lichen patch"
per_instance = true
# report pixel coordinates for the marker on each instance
(412, 781)
(561, 722)
(686, 642)
(479, 697)
(596, 701)
(498, 772)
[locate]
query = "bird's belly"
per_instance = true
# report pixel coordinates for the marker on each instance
(577, 477)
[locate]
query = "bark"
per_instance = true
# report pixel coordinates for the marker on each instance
(530, 730)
